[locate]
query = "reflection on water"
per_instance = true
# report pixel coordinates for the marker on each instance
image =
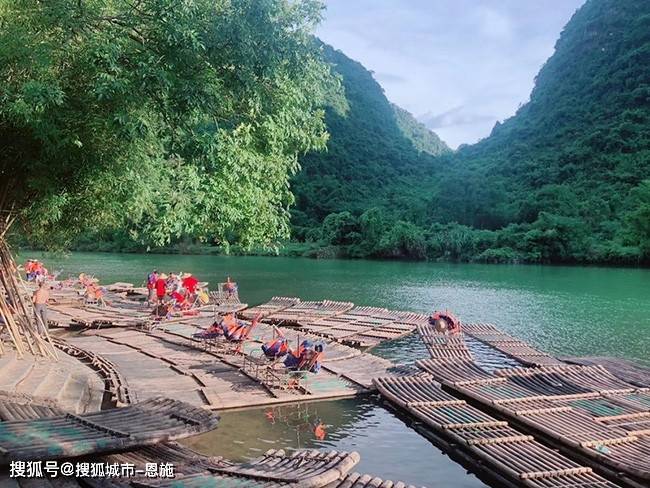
(388, 448)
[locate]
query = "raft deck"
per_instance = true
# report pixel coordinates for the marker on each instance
(67, 382)
(168, 361)
(303, 468)
(594, 417)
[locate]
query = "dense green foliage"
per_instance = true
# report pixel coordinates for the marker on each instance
(564, 180)
(161, 118)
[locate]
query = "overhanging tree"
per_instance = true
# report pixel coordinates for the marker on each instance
(170, 118)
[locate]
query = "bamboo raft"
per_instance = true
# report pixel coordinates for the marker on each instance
(590, 413)
(444, 346)
(342, 361)
(360, 327)
(275, 305)
(303, 468)
(512, 347)
(628, 371)
(303, 311)
(71, 435)
(169, 361)
(501, 449)
(364, 327)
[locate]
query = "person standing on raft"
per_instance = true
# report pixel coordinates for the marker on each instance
(39, 299)
(151, 286)
(161, 287)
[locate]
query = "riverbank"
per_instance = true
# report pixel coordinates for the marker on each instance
(314, 250)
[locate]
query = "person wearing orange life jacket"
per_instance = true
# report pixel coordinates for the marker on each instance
(319, 430)
(278, 347)
(235, 330)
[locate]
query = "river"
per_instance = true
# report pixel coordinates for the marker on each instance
(562, 310)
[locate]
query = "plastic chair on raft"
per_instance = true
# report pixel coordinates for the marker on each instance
(257, 362)
(297, 365)
(235, 334)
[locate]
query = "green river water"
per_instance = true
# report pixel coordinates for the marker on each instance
(562, 310)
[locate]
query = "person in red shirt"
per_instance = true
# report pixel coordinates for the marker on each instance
(161, 287)
(180, 300)
(190, 283)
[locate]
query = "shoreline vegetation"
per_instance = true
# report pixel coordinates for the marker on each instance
(458, 253)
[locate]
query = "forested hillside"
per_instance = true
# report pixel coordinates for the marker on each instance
(564, 180)
(373, 151)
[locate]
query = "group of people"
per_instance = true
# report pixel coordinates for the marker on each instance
(180, 290)
(35, 270)
(307, 357)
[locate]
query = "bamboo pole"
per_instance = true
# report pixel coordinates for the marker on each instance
(17, 315)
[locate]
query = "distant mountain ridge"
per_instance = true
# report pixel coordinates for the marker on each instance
(372, 149)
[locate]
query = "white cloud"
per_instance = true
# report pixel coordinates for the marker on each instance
(494, 24)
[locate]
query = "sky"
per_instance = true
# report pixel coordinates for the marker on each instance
(459, 66)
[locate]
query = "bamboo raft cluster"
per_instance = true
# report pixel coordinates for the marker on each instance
(502, 449)
(70, 435)
(586, 409)
(274, 469)
(510, 346)
(342, 361)
(355, 326)
(171, 362)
